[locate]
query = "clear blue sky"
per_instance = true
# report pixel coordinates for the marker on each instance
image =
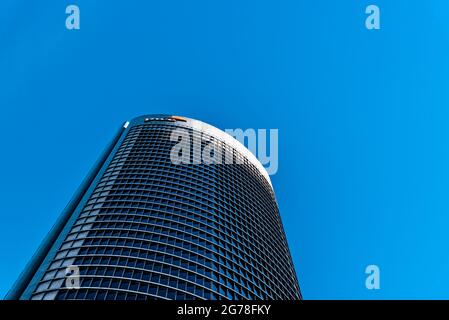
(362, 116)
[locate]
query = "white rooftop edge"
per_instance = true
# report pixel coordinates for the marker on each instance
(216, 133)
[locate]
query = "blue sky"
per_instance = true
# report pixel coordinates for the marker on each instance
(362, 116)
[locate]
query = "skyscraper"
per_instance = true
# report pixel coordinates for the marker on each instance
(156, 219)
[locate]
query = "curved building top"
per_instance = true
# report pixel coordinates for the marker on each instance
(209, 130)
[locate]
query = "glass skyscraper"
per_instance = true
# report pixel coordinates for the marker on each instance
(143, 227)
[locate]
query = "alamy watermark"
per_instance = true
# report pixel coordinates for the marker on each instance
(73, 17)
(72, 21)
(262, 143)
(72, 280)
(372, 281)
(372, 22)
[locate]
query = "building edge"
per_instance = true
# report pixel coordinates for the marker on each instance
(29, 272)
(27, 280)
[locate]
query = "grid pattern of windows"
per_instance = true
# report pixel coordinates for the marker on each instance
(152, 229)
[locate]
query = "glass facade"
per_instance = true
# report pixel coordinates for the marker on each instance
(146, 228)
